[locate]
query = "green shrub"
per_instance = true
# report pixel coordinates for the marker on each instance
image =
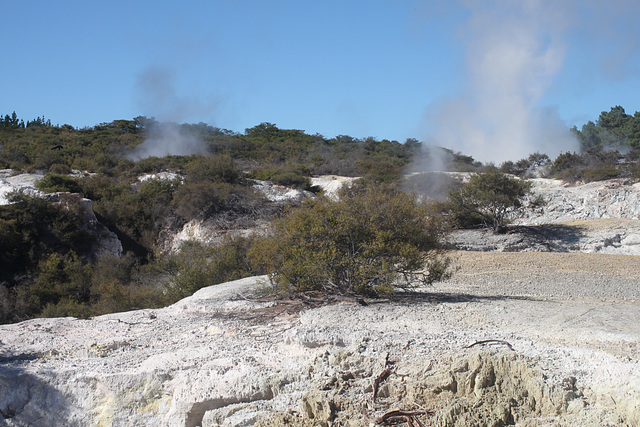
(369, 242)
(380, 169)
(7, 304)
(52, 183)
(119, 284)
(487, 200)
(46, 158)
(590, 166)
(296, 176)
(600, 174)
(32, 228)
(229, 203)
(197, 266)
(67, 307)
(57, 278)
(158, 164)
(214, 168)
(60, 169)
(200, 200)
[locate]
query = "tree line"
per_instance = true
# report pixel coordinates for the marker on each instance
(613, 130)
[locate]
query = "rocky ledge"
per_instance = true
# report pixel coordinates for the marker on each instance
(457, 354)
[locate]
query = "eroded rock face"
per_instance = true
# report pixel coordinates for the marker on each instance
(10, 182)
(614, 198)
(107, 242)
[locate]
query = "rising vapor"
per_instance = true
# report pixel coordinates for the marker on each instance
(168, 138)
(159, 97)
(513, 51)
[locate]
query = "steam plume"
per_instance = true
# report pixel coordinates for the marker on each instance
(425, 175)
(168, 138)
(159, 97)
(513, 51)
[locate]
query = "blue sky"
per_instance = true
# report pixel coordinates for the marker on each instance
(449, 73)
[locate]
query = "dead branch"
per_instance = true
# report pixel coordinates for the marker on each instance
(376, 384)
(409, 417)
(151, 316)
(490, 342)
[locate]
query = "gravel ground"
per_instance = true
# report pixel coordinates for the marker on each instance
(546, 274)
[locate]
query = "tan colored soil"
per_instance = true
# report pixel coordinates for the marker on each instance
(546, 274)
(508, 263)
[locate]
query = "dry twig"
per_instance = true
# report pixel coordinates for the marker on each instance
(409, 417)
(491, 342)
(376, 384)
(383, 376)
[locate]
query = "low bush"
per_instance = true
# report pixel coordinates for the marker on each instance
(52, 183)
(370, 241)
(489, 200)
(589, 166)
(197, 266)
(213, 168)
(32, 228)
(600, 174)
(296, 176)
(200, 200)
(60, 169)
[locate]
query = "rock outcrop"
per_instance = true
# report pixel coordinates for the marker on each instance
(599, 217)
(10, 182)
(107, 242)
(615, 198)
(227, 356)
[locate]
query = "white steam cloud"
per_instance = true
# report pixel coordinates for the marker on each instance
(159, 97)
(425, 175)
(513, 51)
(168, 138)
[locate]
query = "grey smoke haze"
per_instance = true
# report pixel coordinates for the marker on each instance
(168, 138)
(159, 96)
(512, 52)
(424, 175)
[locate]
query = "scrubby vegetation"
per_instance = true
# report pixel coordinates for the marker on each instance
(370, 241)
(490, 199)
(374, 239)
(48, 267)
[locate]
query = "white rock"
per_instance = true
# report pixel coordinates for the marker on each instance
(280, 193)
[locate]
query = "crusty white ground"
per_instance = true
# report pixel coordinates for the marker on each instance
(208, 353)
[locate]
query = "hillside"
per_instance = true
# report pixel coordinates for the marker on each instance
(532, 338)
(132, 296)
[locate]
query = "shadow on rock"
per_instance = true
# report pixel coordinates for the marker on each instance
(559, 237)
(26, 400)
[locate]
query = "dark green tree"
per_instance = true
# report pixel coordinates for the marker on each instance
(489, 200)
